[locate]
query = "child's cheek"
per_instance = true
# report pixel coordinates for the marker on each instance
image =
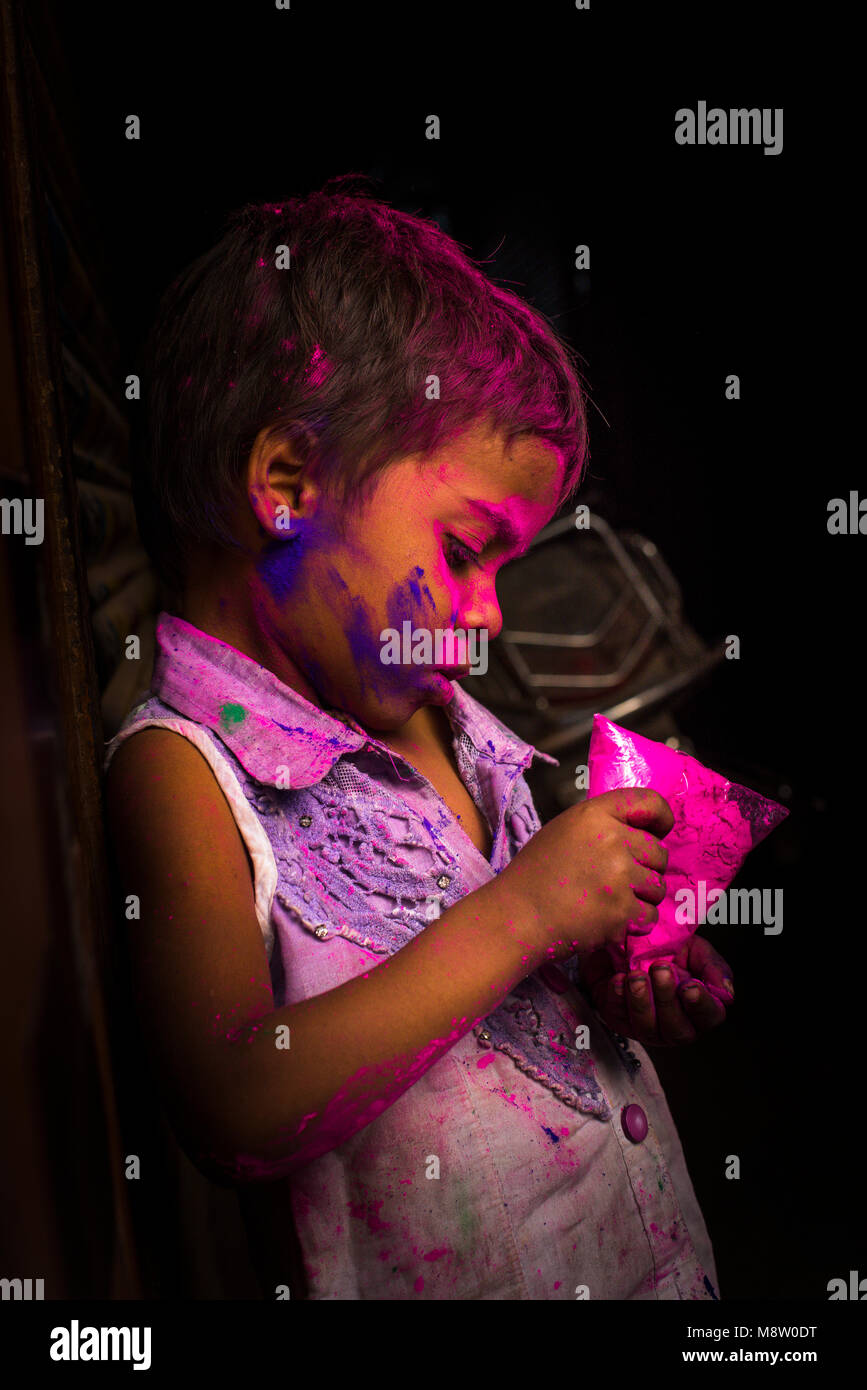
(365, 643)
(411, 600)
(363, 631)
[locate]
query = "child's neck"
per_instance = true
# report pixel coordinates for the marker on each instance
(427, 728)
(241, 631)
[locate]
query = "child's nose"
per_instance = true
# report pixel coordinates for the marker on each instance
(482, 611)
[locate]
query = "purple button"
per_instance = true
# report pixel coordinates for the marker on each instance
(634, 1123)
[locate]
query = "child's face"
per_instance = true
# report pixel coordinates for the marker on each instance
(417, 551)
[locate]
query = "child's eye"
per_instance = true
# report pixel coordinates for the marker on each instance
(459, 555)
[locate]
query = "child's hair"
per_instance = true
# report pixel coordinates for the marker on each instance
(334, 352)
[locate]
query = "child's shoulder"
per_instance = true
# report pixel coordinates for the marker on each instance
(153, 735)
(151, 742)
(151, 751)
(153, 780)
(159, 764)
(169, 824)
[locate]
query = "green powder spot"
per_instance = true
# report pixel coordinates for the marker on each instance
(660, 1185)
(231, 715)
(467, 1218)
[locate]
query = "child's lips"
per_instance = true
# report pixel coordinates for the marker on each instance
(452, 673)
(439, 682)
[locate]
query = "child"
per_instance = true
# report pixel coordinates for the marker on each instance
(350, 917)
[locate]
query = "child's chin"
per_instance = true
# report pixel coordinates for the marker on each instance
(437, 688)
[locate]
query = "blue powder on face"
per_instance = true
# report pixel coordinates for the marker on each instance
(412, 601)
(551, 1134)
(279, 564)
(279, 567)
(365, 644)
(317, 677)
(417, 589)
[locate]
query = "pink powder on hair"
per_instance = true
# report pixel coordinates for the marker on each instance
(317, 368)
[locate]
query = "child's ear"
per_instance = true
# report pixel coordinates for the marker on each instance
(280, 487)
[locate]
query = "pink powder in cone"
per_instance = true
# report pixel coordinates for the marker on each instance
(716, 824)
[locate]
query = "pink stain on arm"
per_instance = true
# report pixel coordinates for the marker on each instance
(364, 1097)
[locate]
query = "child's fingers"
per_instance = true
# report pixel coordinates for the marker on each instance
(707, 964)
(673, 1024)
(646, 995)
(661, 1015)
(705, 1010)
(723, 993)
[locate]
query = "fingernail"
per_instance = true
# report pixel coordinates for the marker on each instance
(618, 986)
(636, 986)
(691, 992)
(727, 984)
(662, 972)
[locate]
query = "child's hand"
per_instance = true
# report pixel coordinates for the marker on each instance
(663, 1014)
(592, 875)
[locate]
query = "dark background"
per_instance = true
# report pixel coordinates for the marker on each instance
(558, 129)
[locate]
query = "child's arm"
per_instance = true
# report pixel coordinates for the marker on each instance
(245, 1108)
